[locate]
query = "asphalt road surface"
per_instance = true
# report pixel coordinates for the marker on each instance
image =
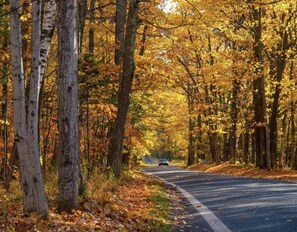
(223, 203)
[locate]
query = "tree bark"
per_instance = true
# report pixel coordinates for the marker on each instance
(4, 106)
(26, 134)
(246, 144)
(33, 110)
(82, 8)
(259, 100)
(119, 30)
(191, 154)
(277, 66)
(282, 142)
(47, 32)
(92, 30)
(68, 158)
(293, 127)
(116, 143)
(234, 116)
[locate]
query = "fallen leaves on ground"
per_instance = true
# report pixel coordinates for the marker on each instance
(128, 209)
(246, 171)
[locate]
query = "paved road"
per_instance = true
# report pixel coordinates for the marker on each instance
(224, 203)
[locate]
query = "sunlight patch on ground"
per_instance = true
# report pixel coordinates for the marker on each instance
(246, 171)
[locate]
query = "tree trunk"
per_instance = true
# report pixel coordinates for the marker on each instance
(33, 110)
(226, 148)
(282, 144)
(116, 143)
(292, 140)
(5, 131)
(68, 158)
(191, 154)
(293, 130)
(234, 116)
(26, 134)
(213, 146)
(259, 100)
(47, 32)
(277, 66)
(246, 144)
(201, 153)
(120, 29)
(121, 8)
(92, 30)
(274, 113)
(4, 107)
(253, 160)
(82, 8)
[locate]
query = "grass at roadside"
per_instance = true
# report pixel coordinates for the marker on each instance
(160, 212)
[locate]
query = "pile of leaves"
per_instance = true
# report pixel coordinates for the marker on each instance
(246, 171)
(133, 204)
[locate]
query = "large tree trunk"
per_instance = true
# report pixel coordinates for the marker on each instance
(121, 8)
(274, 113)
(25, 136)
(116, 143)
(277, 66)
(33, 109)
(68, 160)
(259, 100)
(47, 32)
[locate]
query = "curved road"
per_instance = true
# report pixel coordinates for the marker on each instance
(224, 203)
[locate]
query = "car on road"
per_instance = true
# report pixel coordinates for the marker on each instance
(163, 162)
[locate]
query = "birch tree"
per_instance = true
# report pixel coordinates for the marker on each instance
(26, 125)
(69, 162)
(48, 27)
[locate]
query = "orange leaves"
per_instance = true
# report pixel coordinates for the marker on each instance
(108, 110)
(128, 209)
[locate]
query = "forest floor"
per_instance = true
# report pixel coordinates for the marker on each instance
(246, 171)
(137, 203)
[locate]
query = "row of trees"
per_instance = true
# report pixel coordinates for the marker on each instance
(43, 61)
(26, 104)
(237, 68)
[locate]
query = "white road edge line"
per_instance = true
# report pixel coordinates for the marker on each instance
(216, 224)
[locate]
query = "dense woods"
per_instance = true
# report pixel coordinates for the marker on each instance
(201, 81)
